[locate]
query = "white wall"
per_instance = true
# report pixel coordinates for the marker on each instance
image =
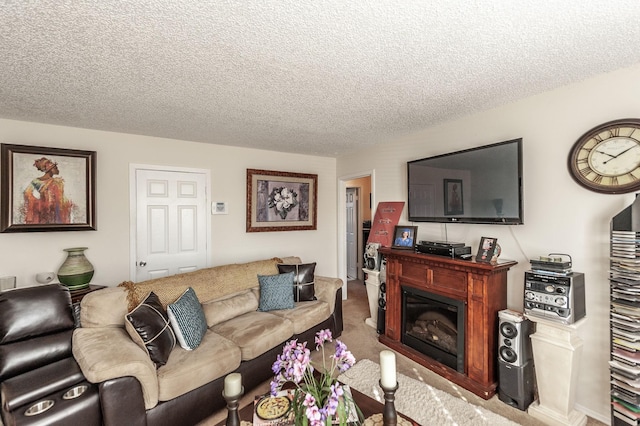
(560, 216)
(25, 254)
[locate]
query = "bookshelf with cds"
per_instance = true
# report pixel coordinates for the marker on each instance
(624, 277)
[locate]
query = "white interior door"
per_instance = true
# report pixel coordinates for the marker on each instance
(172, 230)
(352, 233)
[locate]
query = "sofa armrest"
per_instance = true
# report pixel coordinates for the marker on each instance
(109, 353)
(326, 289)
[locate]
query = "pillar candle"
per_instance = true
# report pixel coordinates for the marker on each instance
(233, 384)
(388, 369)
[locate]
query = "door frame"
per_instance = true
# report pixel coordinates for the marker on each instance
(342, 221)
(133, 208)
(357, 221)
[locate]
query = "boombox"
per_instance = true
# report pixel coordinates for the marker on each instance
(558, 298)
(372, 257)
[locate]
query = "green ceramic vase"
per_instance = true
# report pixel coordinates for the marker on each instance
(76, 271)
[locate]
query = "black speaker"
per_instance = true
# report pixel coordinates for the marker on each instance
(514, 343)
(516, 384)
(382, 309)
(516, 374)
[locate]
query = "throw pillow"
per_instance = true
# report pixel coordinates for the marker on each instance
(187, 319)
(275, 292)
(304, 280)
(148, 326)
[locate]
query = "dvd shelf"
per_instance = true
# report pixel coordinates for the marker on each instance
(624, 321)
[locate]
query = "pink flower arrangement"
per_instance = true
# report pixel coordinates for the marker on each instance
(318, 398)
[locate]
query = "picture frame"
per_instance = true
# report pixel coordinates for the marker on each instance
(453, 197)
(487, 250)
(281, 201)
(47, 189)
(402, 241)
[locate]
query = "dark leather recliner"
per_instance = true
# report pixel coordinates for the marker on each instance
(40, 382)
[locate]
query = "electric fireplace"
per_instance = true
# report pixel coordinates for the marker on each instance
(434, 325)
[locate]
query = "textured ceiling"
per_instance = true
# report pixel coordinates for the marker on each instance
(313, 77)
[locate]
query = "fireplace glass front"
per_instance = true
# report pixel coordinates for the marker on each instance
(434, 325)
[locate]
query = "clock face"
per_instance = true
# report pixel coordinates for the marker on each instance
(607, 158)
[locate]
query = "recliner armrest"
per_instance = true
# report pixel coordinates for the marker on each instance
(36, 384)
(109, 353)
(326, 289)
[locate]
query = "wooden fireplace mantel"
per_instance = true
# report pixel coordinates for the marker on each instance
(483, 289)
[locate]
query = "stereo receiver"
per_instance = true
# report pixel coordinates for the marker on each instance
(452, 250)
(558, 298)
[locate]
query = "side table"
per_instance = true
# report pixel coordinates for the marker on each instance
(76, 297)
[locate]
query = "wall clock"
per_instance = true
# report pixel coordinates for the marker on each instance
(606, 158)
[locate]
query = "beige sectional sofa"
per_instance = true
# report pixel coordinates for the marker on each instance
(239, 338)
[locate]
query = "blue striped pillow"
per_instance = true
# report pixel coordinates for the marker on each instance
(187, 320)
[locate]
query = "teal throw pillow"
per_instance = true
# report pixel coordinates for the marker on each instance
(275, 292)
(187, 320)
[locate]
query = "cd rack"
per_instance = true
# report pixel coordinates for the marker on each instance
(624, 321)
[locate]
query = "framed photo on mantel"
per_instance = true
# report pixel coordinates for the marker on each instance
(404, 237)
(487, 250)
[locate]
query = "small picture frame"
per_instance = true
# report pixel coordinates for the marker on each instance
(404, 237)
(487, 250)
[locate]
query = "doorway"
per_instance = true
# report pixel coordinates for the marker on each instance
(170, 225)
(353, 218)
(364, 183)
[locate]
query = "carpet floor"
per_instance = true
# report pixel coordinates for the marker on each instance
(423, 403)
(362, 341)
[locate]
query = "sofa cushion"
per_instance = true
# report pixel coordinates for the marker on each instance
(305, 314)
(303, 280)
(276, 292)
(208, 283)
(34, 311)
(255, 332)
(148, 325)
(105, 353)
(187, 370)
(104, 308)
(187, 320)
(224, 309)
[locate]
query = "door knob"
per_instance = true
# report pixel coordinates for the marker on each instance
(143, 263)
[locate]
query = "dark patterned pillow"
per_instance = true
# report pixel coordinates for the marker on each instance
(148, 326)
(275, 292)
(187, 319)
(304, 280)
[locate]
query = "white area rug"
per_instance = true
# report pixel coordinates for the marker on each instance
(423, 403)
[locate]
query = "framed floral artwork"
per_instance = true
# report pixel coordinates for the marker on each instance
(47, 189)
(281, 201)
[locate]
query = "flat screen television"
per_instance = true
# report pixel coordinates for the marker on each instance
(478, 185)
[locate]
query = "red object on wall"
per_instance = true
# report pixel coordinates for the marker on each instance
(385, 220)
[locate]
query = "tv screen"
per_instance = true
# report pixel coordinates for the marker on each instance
(478, 185)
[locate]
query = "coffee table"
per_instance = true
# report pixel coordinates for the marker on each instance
(368, 406)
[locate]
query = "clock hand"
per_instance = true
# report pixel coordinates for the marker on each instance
(625, 151)
(616, 156)
(605, 153)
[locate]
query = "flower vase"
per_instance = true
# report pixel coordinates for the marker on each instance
(76, 271)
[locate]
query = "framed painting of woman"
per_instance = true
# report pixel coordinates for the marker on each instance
(47, 189)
